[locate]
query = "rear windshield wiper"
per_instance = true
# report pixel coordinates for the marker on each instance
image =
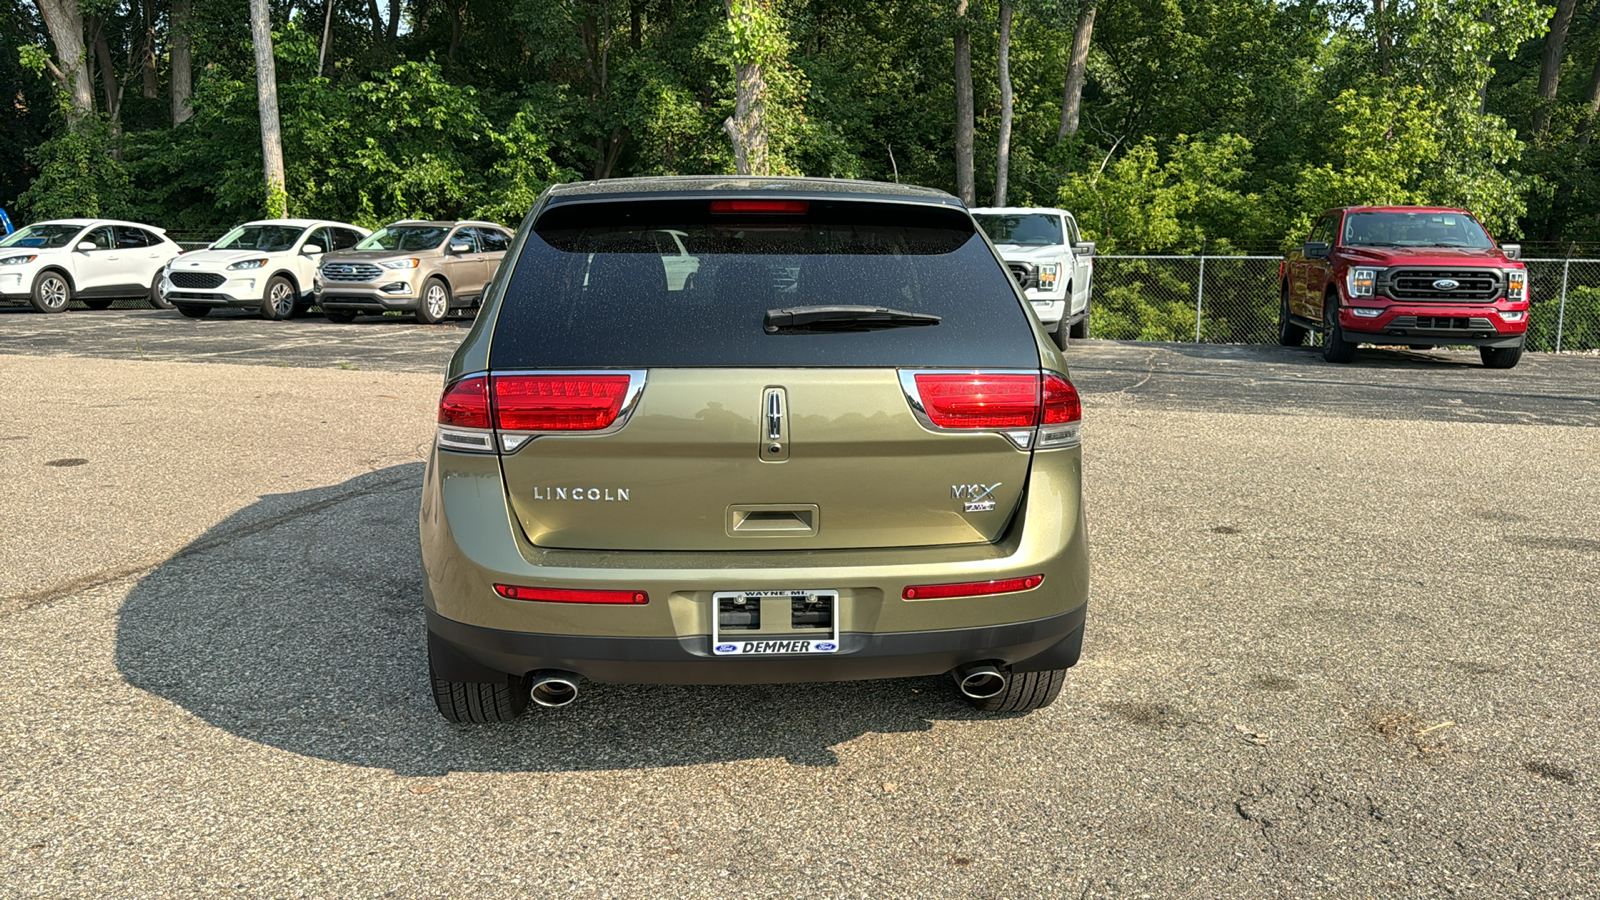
(844, 318)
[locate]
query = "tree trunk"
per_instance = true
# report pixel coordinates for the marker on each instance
(1380, 21)
(747, 127)
(393, 30)
(1555, 45)
(1077, 68)
(458, 12)
(1587, 131)
(327, 33)
(267, 99)
(181, 62)
(108, 73)
(65, 22)
(1002, 162)
(147, 52)
(965, 188)
(375, 16)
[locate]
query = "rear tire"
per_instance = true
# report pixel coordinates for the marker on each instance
(51, 292)
(156, 300)
(1335, 348)
(434, 307)
(195, 312)
(1289, 334)
(98, 303)
(1500, 357)
(1024, 691)
(342, 316)
(280, 301)
(475, 702)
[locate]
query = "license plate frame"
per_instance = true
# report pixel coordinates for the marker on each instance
(736, 643)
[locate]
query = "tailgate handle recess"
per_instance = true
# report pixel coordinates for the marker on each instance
(773, 520)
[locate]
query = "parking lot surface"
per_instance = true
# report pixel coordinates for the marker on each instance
(1340, 644)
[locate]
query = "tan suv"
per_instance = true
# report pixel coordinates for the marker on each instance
(840, 448)
(427, 268)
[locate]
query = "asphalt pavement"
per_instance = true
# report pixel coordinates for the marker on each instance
(1339, 645)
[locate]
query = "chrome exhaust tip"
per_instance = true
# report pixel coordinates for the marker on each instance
(980, 682)
(554, 689)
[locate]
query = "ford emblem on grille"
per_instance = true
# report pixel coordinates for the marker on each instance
(347, 270)
(1446, 284)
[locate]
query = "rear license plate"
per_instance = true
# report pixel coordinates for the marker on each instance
(790, 608)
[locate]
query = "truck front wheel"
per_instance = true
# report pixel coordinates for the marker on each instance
(1334, 346)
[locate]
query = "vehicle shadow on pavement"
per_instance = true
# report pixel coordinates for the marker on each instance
(297, 623)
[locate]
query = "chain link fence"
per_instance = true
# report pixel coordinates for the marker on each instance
(1234, 300)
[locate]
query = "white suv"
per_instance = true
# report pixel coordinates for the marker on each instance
(98, 261)
(1050, 259)
(270, 265)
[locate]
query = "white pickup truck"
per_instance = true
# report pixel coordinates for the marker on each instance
(1049, 259)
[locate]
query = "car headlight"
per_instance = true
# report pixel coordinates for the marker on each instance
(1048, 273)
(1516, 284)
(247, 264)
(1362, 282)
(18, 260)
(400, 264)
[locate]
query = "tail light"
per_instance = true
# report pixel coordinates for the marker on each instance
(558, 402)
(1061, 415)
(480, 412)
(1039, 409)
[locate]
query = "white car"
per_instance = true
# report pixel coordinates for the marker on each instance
(98, 261)
(270, 265)
(1049, 258)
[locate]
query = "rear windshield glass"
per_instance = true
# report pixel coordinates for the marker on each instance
(406, 237)
(1414, 229)
(672, 284)
(1030, 229)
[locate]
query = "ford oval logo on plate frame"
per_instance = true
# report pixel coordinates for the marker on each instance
(1446, 284)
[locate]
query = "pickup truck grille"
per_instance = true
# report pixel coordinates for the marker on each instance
(1472, 285)
(1026, 274)
(196, 280)
(350, 272)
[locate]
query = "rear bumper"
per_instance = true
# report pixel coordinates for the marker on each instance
(464, 652)
(470, 541)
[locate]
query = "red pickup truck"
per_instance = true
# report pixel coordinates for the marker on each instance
(1421, 276)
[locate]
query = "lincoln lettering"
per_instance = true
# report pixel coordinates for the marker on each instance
(604, 495)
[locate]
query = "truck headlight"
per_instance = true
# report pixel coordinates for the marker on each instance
(247, 264)
(399, 264)
(1517, 284)
(18, 260)
(1047, 276)
(1362, 282)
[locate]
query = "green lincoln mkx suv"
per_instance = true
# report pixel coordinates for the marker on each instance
(746, 430)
